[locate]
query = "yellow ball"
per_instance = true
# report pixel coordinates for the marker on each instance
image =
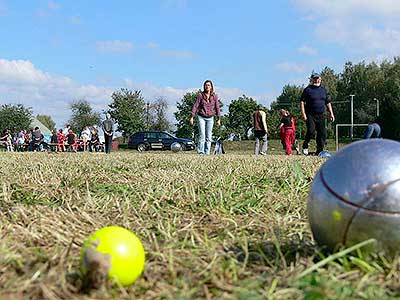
(122, 248)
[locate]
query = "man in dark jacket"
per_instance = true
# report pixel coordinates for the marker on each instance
(108, 130)
(312, 104)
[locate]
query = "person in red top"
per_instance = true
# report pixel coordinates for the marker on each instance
(60, 140)
(287, 128)
(206, 106)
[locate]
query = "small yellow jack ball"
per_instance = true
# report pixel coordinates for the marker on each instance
(114, 252)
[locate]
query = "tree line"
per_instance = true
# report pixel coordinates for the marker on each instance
(372, 84)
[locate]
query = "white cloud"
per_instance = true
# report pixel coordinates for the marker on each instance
(379, 8)
(152, 45)
(4, 11)
(177, 54)
(22, 82)
(290, 67)
(53, 5)
(115, 46)
(307, 50)
(76, 20)
(369, 28)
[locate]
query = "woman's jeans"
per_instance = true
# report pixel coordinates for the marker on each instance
(373, 131)
(205, 134)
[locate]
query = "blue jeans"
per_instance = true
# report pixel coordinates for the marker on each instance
(205, 133)
(373, 131)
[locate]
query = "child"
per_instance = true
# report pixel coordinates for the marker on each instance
(54, 140)
(21, 140)
(94, 142)
(60, 140)
(71, 141)
(287, 130)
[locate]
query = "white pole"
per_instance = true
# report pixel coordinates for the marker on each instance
(351, 117)
(377, 107)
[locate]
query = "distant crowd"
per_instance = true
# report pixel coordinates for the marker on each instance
(61, 140)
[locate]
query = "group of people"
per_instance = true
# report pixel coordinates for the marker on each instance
(66, 140)
(60, 140)
(313, 102)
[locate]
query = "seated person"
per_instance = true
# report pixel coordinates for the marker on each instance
(71, 141)
(37, 140)
(94, 141)
(6, 139)
(20, 140)
(54, 140)
(60, 140)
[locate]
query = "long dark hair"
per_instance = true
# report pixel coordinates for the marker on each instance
(204, 88)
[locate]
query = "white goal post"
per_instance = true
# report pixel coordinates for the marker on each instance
(345, 125)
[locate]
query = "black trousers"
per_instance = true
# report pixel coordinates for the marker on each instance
(108, 142)
(315, 123)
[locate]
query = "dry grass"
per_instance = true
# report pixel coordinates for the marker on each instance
(227, 227)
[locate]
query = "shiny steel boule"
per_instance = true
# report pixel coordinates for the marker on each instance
(176, 147)
(355, 196)
(324, 154)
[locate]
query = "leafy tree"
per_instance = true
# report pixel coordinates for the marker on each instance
(289, 99)
(390, 103)
(46, 121)
(240, 115)
(159, 120)
(128, 109)
(15, 117)
(183, 113)
(83, 115)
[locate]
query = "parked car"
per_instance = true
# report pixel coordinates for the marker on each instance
(157, 140)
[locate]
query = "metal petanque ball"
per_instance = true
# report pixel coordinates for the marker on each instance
(355, 196)
(324, 154)
(176, 147)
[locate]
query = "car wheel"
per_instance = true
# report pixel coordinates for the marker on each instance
(141, 147)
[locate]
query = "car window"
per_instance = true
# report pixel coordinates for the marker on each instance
(163, 135)
(150, 135)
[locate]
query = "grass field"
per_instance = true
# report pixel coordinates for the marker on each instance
(218, 227)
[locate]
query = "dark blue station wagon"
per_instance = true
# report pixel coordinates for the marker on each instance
(157, 140)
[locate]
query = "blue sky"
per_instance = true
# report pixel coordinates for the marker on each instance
(53, 52)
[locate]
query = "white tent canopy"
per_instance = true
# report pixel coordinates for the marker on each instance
(36, 123)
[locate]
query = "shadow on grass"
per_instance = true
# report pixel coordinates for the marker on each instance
(273, 253)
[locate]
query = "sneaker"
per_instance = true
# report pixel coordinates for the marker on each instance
(263, 153)
(305, 151)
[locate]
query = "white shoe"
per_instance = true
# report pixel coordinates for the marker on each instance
(262, 153)
(305, 151)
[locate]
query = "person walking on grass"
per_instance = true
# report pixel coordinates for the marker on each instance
(313, 101)
(286, 127)
(206, 106)
(260, 131)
